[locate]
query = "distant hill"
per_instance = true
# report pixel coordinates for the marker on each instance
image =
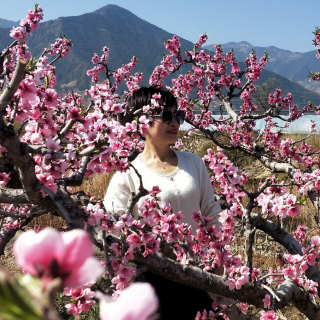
(126, 35)
(294, 66)
(4, 23)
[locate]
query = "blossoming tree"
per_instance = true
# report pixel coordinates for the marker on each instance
(50, 143)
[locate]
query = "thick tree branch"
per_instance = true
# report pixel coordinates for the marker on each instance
(14, 196)
(227, 105)
(249, 233)
(65, 206)
(78, 178)
(250, 293)
(10, 90)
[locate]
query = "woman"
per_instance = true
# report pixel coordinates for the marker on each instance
(184, 183)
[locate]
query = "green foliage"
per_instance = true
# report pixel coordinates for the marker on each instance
(103, 284)
(15, 302)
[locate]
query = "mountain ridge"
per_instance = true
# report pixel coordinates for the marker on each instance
(4, 23)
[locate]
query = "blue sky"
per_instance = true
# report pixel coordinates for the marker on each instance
(287, 24)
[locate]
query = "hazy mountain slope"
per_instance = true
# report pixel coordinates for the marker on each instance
(4, 23)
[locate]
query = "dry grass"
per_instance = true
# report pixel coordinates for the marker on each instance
(95, 186)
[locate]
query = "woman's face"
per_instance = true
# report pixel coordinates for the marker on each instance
(160, 133)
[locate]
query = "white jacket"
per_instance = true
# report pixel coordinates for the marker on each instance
(187, 189)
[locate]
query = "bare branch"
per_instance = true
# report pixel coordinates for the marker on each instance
(106, 254)
(58, 202)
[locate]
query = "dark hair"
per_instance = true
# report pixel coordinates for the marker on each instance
(143, 96)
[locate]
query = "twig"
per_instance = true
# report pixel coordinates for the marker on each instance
(106, 255)
(58, 203)
(269, 275)
(21, 127)
(271, 291)
(134, 198)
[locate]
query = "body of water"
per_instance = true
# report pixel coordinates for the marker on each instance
(301, 125)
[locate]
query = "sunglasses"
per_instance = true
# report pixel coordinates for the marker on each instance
(167, 116)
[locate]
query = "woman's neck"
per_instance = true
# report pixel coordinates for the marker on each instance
(156, 152)
(159, 158)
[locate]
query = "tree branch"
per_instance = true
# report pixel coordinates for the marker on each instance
(78, 178)
(10, 90)
(134, 198)
(205, 281)
(14, 196)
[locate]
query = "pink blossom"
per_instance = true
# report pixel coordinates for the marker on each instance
(4, 178)
(81, 299)
(95, 213)
(266, 302)
(53, 145)
(27, 89)
(51, 98)
(74, 113)
(155, 190)
(139, 301)
(119, 225)
(293, 211)
(269, 315)
(36, 138)
(134, 241)
(315, 241)
(18, 33)
(49, 254)
(290, 271)
(243, 307)
(48, 181)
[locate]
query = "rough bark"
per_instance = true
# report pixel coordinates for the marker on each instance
(250, 293)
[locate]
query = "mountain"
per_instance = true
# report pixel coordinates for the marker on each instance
(126, 35)
(294, 66)
(4, 23)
